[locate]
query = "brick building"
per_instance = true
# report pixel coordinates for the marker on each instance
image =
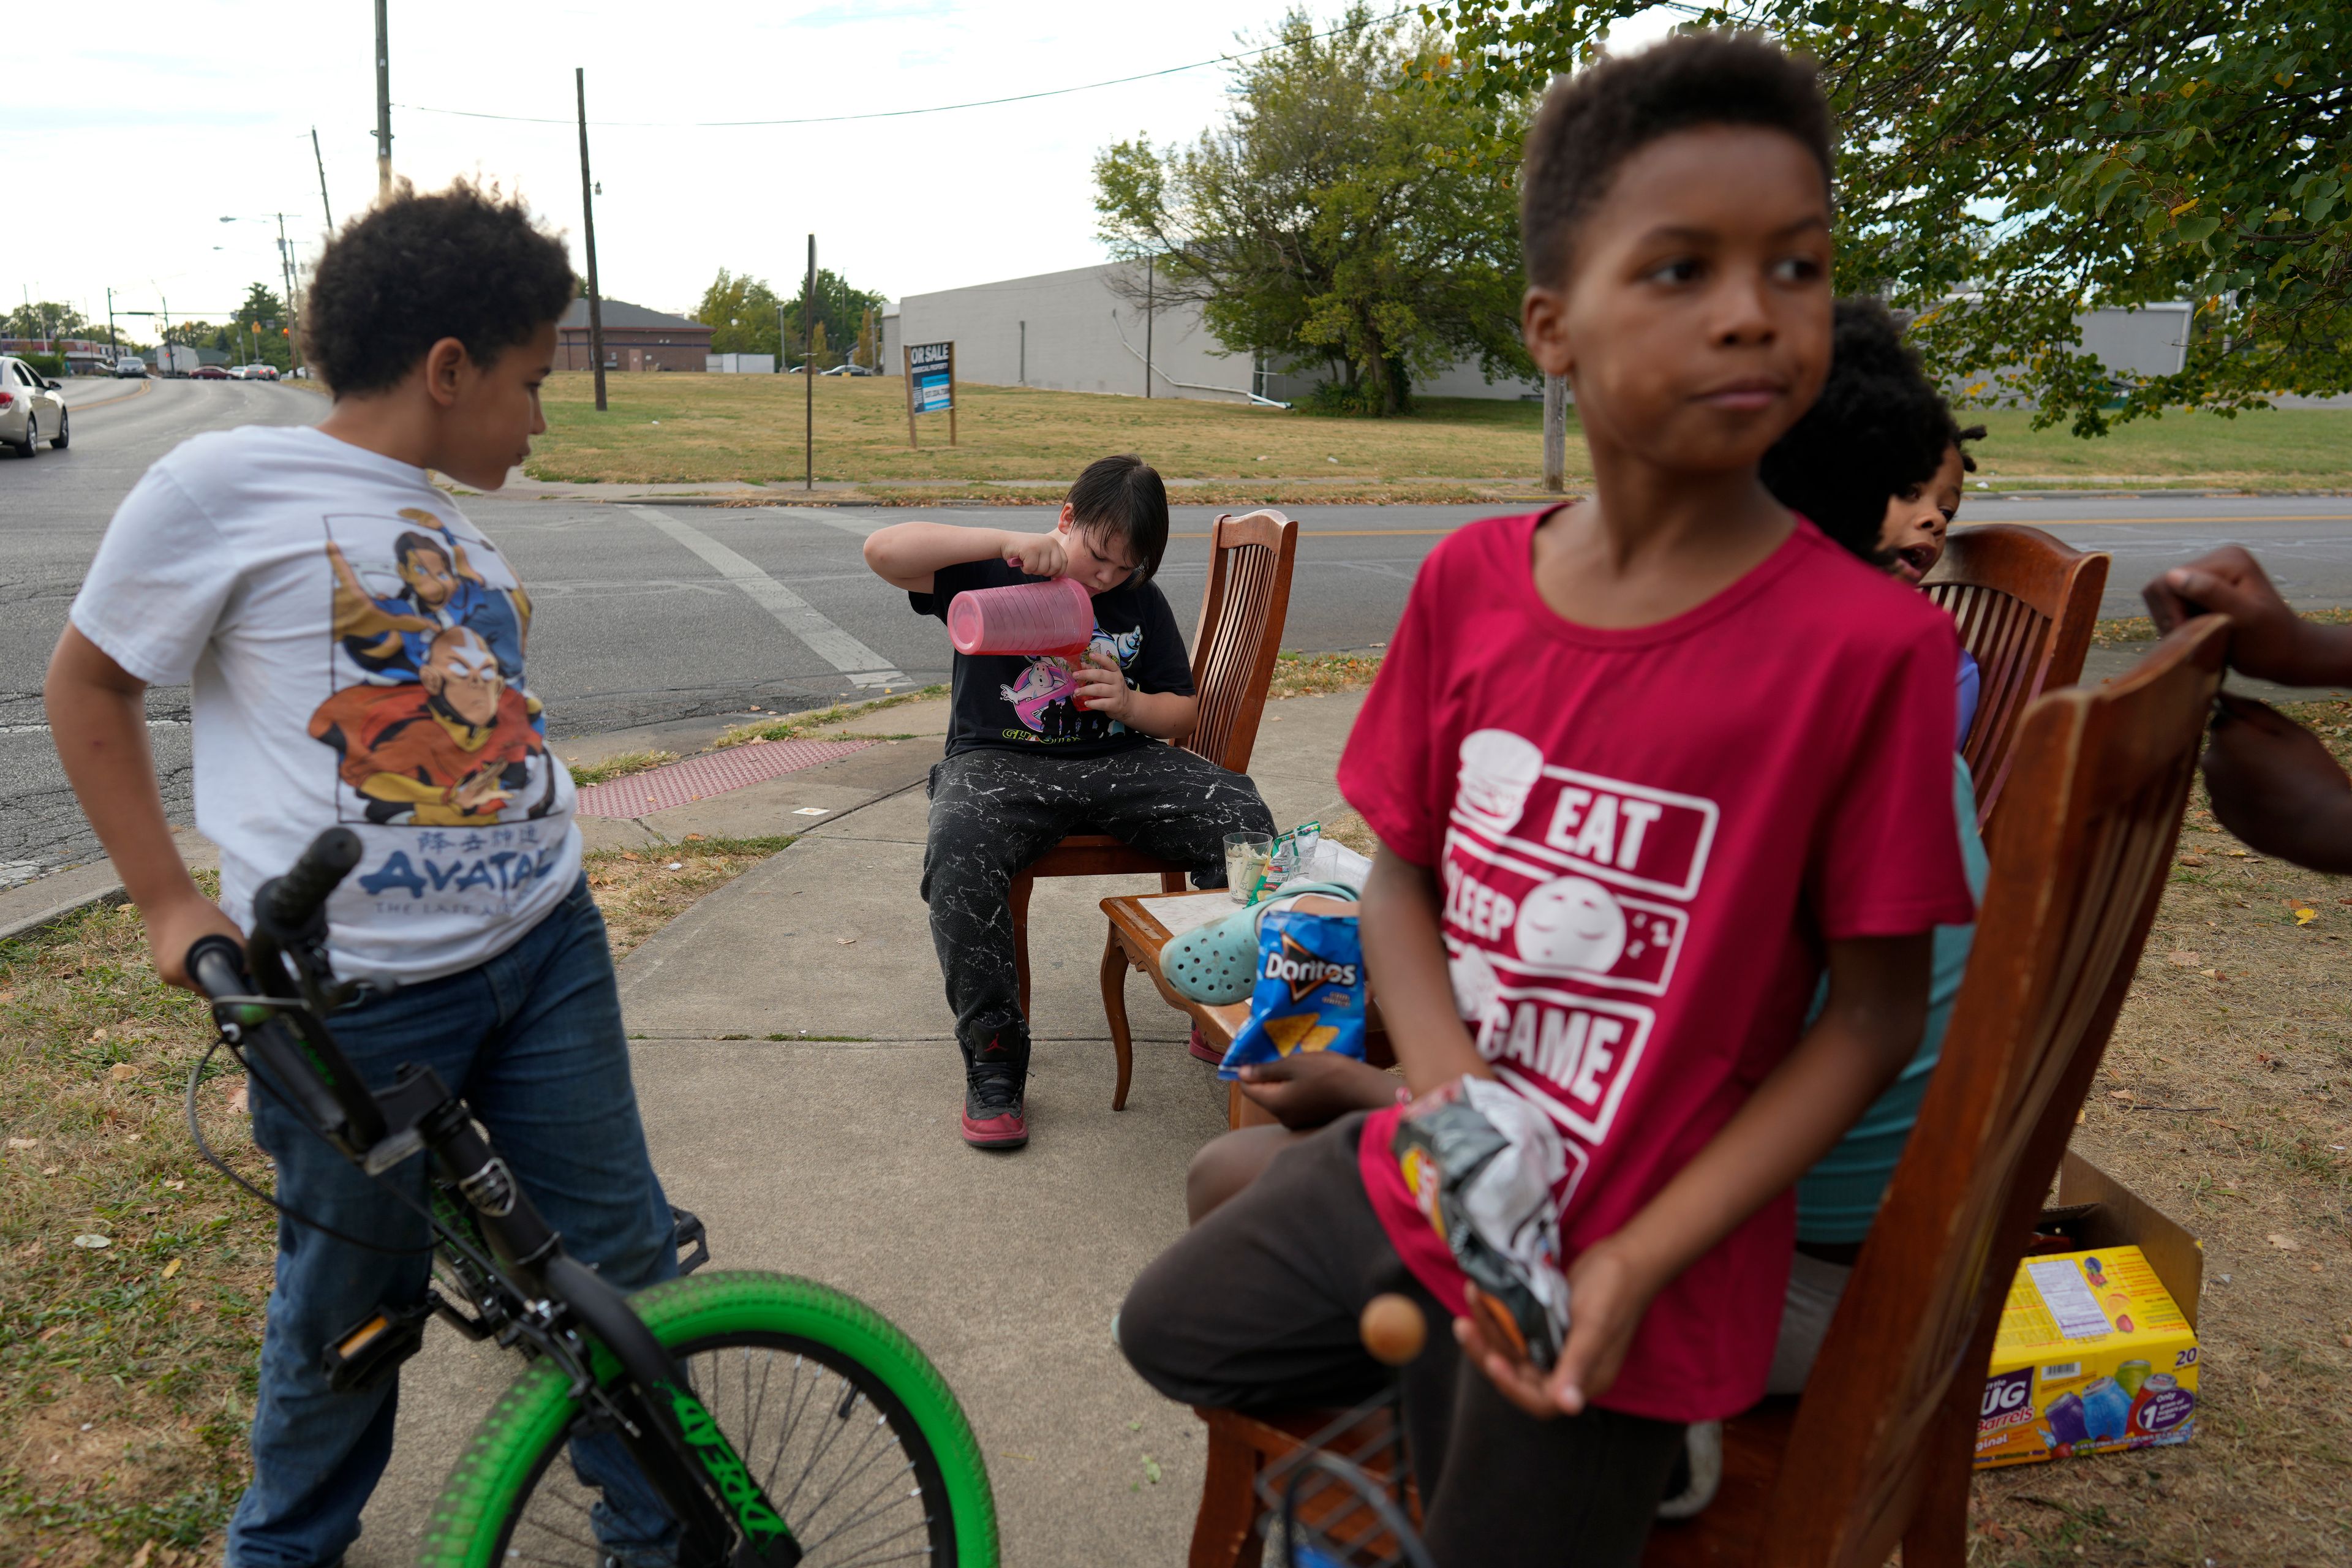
(635, 339)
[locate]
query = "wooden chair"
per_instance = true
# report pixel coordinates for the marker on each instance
(2026, 604)
(1243, 608)
(1880, 1449)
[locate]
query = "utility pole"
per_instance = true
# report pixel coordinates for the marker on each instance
(382, 103)
(114, 343)
(1147, 325)
(588, 210)
(293, 308)
(783, 357)
(808, 364)
(1025, 354)
(1555, 478)
(320, 159)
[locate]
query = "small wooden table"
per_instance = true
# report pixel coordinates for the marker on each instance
(1137, 939)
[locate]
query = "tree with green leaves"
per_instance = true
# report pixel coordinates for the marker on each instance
(43, 319)
(741, 312)
(1349, 210)
(2005, 166)
(261, 327)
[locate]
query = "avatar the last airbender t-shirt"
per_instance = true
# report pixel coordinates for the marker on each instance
(1027, 702)
(354, 648)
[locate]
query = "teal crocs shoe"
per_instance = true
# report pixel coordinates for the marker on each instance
(1217, 963)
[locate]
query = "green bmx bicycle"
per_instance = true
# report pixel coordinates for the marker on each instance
(778, 1422)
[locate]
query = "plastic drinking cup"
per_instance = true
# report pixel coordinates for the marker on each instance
(1055, 616)
(1246, 855)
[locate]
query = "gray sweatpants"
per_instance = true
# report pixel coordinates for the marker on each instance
(994, 811)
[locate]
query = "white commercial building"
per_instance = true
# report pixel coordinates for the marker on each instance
(1087, 330)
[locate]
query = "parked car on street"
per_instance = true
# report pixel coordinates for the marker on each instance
(256, 372)
(31, 411)
(209, 372)
(128, 366)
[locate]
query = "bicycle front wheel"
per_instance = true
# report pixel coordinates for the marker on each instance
(854, 1434)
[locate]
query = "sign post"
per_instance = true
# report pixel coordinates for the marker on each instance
(930, 385)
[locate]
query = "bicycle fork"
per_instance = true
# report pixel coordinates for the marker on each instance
(725, 1514)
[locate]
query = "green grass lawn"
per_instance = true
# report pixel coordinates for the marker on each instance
(714, 428)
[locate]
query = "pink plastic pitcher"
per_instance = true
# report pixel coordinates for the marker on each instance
(1024, 617)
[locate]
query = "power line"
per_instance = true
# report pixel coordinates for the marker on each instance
(895, 114)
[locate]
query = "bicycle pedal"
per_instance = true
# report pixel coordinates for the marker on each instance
(371, 1349)
(690, 1234)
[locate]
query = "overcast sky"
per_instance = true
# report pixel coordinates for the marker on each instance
(147, 121)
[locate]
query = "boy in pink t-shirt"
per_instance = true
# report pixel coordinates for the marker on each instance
(1641, 768)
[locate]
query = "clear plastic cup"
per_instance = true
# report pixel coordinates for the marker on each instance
(1246, 857)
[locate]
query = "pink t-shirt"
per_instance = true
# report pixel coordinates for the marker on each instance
(1644, 839)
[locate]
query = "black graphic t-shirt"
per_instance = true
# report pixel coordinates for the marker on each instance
(1019, 701)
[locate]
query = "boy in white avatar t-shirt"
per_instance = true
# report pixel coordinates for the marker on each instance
(354, 648)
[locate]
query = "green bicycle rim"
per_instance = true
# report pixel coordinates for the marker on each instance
(511, 1445)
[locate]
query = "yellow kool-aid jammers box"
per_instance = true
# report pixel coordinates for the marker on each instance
(2093, 1356)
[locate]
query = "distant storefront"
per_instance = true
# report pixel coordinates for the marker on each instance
(635, 339)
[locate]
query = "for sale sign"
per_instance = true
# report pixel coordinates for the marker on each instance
(930, 373)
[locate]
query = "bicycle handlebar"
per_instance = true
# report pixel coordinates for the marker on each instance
(217, 966)
(288, 901)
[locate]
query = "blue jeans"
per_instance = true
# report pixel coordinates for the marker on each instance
(532, 1039)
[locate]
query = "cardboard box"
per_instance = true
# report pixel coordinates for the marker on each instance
(2097, 1346)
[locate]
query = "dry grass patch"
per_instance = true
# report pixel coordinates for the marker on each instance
(619, 765)
(836, 724)
(2124, 630)
(642, 891)
(126, 1370)
(1313, 674)
(687, 428)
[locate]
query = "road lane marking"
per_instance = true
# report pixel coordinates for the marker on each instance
(847, 521)
(144, 388)
(795, 614)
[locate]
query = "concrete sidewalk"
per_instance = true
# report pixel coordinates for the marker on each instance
(838, 1158)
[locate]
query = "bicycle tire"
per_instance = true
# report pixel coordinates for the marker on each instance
(512, 1450)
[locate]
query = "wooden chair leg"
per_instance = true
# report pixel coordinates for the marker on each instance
(1172, 881)
(1114, 995)
(1023, 886)
(1938, 1535)
(1225, 1533)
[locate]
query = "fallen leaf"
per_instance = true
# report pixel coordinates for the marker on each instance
(176, 1186)
(52, 1332)
(97, 1035)
(122, 1072)
(2193, 861)
(95, 1243)
(844, 940)
(51, 1170)
(2305, 917)
(693, 839)
(2237, 854)
(2261, 1379)
(237, 1104)
(2283, 1243)
(2121, 1094)
(23, 1143)
(631, 854)
(2183, 959)
(171, 1269)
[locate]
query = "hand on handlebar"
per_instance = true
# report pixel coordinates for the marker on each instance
(172, 929)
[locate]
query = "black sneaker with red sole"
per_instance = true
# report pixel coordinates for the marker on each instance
(993, 1114)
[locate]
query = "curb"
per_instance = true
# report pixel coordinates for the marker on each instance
(34, 923)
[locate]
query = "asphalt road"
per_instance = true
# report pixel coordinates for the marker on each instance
(647, 615)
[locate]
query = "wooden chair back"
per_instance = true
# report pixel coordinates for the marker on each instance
(1883, 1441)
(1239, 633)
(2026, 604)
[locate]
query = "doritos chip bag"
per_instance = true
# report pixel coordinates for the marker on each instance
(1310, 991)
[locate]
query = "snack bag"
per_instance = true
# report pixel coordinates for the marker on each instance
(1310, 991)
(1293, 851)
(1482, 1163)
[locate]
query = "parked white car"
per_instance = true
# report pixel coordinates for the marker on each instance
(31, 411)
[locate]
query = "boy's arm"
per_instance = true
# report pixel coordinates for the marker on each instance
(1103, 689)
(906, 554)
(97, 719)
(1403, 946)
(2267, 639)
(1869, 1029)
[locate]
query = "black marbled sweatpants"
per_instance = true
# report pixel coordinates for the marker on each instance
(994, 811)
